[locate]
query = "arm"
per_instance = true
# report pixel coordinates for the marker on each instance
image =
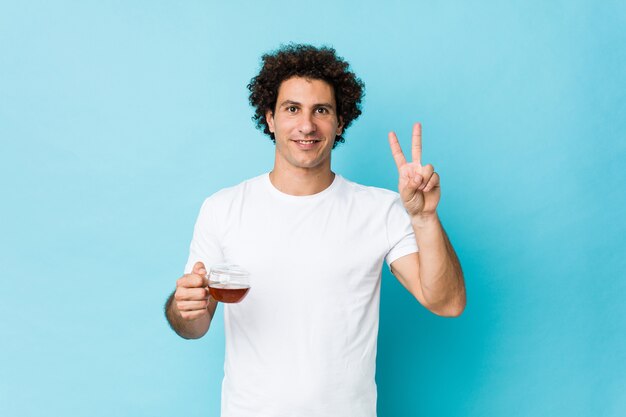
(189, 309)
(433, 275)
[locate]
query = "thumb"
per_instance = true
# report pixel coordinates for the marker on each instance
(408, 186)
(199, 269)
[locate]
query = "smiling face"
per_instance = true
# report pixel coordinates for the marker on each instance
(304, 124)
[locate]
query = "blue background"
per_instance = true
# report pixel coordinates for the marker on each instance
(118, 118)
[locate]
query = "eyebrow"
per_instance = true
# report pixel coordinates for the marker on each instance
(295, 103)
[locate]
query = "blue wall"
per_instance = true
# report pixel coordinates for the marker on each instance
(118, 118)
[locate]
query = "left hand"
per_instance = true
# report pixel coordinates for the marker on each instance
(418, 185)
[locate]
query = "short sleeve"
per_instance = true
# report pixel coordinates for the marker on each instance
(400, 233)
(205, 245)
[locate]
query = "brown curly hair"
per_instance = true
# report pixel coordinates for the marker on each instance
(298, 60)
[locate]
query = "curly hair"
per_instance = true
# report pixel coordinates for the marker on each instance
(297, 60)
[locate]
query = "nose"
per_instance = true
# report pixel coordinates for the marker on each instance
(307, 124)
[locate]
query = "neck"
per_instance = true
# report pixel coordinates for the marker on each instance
(301, 181)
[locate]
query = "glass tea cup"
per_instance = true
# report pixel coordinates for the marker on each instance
(228, 283)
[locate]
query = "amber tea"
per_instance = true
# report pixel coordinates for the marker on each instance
(228, 293)
(228, 283)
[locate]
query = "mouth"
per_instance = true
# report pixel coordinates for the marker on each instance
(307, 142)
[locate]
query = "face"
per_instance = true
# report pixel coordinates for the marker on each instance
(304, 124)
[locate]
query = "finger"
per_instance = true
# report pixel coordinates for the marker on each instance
(191, 305)
(416, 143)
(191, 294)
(433, 183)
(192, 281)
(396, 150)
(427, 172)
(193, 315)
(199, 269)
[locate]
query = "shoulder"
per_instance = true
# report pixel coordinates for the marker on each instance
(233, 192)
(226, 198)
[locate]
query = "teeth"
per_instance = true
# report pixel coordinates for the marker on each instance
(306, 141)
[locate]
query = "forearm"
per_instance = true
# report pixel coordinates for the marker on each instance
(441, 277)
(187, 329)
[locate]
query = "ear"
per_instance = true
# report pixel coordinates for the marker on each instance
(340, 126)
(269, 118)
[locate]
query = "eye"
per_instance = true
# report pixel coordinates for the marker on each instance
(292, 109)
(322, 110)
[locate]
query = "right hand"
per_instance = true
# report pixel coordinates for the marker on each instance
(192, 293)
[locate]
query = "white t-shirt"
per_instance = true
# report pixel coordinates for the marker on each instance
(303, 341)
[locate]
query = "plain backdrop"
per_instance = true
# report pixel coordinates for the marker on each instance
(117, 118)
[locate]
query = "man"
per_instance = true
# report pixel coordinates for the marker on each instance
(303, 342)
